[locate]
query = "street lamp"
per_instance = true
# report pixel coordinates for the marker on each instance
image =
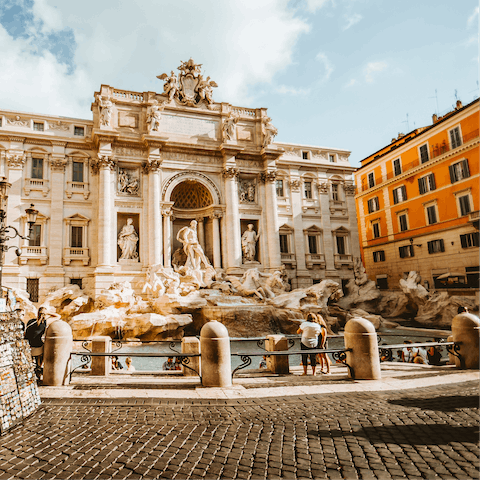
(7, 232)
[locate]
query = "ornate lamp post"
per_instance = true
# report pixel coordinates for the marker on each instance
(8, 232)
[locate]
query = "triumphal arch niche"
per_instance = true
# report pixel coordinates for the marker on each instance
(180, 156)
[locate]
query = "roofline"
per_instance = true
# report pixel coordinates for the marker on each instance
(447, 116)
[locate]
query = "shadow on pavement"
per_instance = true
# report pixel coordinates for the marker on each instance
(448, 403)
(427, 434)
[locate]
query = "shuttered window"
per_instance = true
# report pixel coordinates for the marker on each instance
(455, 137)
(406, 251)
(399, 194)
(379, 256)
(397, 167)
(424, 157)
(432, 215)
(459, 171)
(376, 229)
(373, 205)
(469, 240)
(402, 220)
(426, 184)
(371, 180)
(464, 202)
(436, 246)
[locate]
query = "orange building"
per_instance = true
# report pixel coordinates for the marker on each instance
(418, 204)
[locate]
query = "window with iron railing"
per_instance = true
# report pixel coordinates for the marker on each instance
(455, 138)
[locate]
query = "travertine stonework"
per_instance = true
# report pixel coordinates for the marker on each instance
(157, 161)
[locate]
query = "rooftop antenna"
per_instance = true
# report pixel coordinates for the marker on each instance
(436, 101)
(408, 125)
(476, 90)
(456, 96)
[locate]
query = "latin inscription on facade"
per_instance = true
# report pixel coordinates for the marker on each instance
(189, 126)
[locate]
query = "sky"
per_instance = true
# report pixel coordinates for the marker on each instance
(348, 74)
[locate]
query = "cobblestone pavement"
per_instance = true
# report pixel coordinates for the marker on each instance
(428, 433)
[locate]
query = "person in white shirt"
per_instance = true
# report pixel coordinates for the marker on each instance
(310, 331)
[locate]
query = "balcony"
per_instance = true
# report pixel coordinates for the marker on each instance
(34, 253)
(77, 187)
(474, 218)
(36, 185)
(435, 151)
(76, 253)
(342, 260)
(289, 258)
(312, 259)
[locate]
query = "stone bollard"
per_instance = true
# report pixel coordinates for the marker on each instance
(56, 354)
(101, 365)
(465, 330)
(191, 345)
(364, 358)
(215, 351)
(277, 363)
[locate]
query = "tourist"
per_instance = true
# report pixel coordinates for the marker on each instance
(178, 363)
(116, 365)
(263, 362)
(434, 355)
(322, 343)
(407, 354)
(169, 364)
(128, 363)
(310, 331)
(35, 335)
(419, 355)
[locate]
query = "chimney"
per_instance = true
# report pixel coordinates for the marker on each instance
(459, 105)
(434, 118)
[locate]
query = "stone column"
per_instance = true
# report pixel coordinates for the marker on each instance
(167, 237)
(303, 276)
(271, 213)
(201, 231)
(154, 214)
(323, 194)
(217, 256)
(105, 165)
(352, 219)
(232, 219)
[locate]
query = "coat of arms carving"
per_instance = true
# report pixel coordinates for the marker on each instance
(189, 88)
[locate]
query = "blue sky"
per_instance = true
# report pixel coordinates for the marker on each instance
(333, 73)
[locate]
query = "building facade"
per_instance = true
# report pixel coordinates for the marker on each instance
(418, 203)
(151, 163)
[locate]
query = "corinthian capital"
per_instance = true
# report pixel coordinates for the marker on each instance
(103, 161)
(230, 172)
(58, 163)
(268, 176)
(152, 165)
(15, 160)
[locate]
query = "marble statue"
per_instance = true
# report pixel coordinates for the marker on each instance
(228, 127)
(127, 183)
(154, 113)
(247, 192)
(269, 131)
(170, 86)
(249, 243)
(127, 241)
(105, 110)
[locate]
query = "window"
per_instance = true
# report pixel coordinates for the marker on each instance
(305, 155)
(469, 240)
(279, 187)
(431, 211)
(35, 238)
(308, 189)
(379, 256)
(332, 158)
(32, 289)
(376, 229)
(76, 281)
(426, 184)
(382, 283)
(76, 237)
(464, 204)
(371, 180)
(397, 167)
(312, 244)
(77, 172)
(80, 131)
(459, 171)
(39, 127)
(399, 194)
(402, 222)
(284, 243)
(335, 196)
(373, 205)
(436, 246)
(341, 245)
(424, 157)
(37, 167)
(455, 137)
(406, 251)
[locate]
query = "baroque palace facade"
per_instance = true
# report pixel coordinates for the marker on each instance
(156, 162)
(418, 204)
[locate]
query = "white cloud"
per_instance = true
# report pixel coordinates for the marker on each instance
(372, 68)
(241, 45)
(352, 20)
(287, 90)
(314, 5)
(473, 17)
(351, 83)
(323, 59)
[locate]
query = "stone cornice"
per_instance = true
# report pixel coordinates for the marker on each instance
(13, 138)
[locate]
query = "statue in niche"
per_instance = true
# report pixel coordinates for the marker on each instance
(228, 127)
(247, 192)
(127, 183)
(127, 241)
(194, 252)
(249, 243)
(269, 131)
(105, 110)
(170, 87)
(154, 113)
